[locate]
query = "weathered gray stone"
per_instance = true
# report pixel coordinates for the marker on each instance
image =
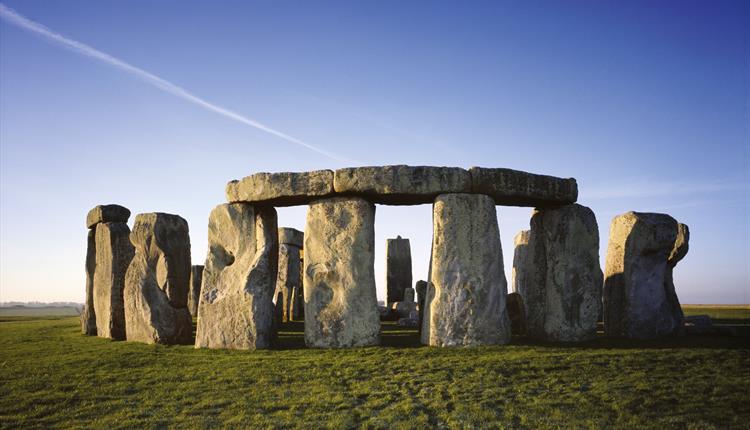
(398, 268)
(529, 279)
(288, 278)
(290, 236)
(409, 295)
(341, 308)
(158, 280)
(298, 303)
(194, 297)
(639, 297)
(281, 189)
(113, 255)
(88, 314)
(563, 294)
(401, 185)
(107, 213)
(239, 278)
(403, 309)
(516, 188)
(516, 313)
(466, 298)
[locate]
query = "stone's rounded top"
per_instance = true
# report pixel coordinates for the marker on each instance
(158, 224)
(281, 189)
(644, 231)
(291, 236)
(522, 238)
(107, 213)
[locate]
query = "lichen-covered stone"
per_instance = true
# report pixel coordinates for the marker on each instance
(88, 314)
(466, 298)
(194, 297)
(113, 255)
(516, 188)
(158, 280)
(341, 308)
(398, 268)
(281, 189)
(239, 278)
(107, 213)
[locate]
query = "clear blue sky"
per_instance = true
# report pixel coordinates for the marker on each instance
(645, 103)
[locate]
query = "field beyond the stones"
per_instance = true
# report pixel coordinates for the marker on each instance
(52, 376)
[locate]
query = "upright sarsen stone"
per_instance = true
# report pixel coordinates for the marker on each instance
(158, 280)
(236, 309)
(113, 255)
(529, 278)
(466, 298)
(196, 279)
(288, 278)
(639, 297)
(341, 308)
(88, 315)
(398, 269)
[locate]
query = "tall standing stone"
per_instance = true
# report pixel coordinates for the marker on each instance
(341, 308)
(158, 281)
(466, 298)
(113, 255)
(398, 269)
(289, 279)
(421, 289)
(196, 279)
(239, 279)
(639, 297)
(557, 273)
(88, 315)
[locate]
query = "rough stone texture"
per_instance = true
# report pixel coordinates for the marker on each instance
(639, 297)
(113, 255)
(194, 297)
(409, 295)
(158, 280)
(239, 279)
(341, 308)
(290, 236)
(516, 188)
(281, 189)
(398, 268)
(288, 278)
(88, 314)
(516, 313)
(466, 298)
(107, 213)
(401, 185)
(403, 309)
(559, 278)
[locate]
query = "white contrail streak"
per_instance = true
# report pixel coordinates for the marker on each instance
(14, 18)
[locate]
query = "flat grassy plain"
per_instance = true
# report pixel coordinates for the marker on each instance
(53, 377)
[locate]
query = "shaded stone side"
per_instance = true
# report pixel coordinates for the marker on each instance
(239, 278)
(196, 279)
(158, 280)
(281, 189)
(466, 298)
(88, 314)
(113, 255)
(288, 278)
(516, 188)
(421, 289)
(341, 307)
(398, 269)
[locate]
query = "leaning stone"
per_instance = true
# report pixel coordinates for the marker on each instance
(288, 278)
(516, 313)
(290, 236)
(466, 298)
(194, 297)
(239, 279)
(401, 185)
(113, 255)
(639, 297)
(516, 188)
(158, 280)
(341, 308)
(281, 189)
(88, 315)
(107, 213)
(398, 268)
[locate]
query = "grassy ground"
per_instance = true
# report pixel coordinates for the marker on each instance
(52, 376)
(732, 314)
(42, 311)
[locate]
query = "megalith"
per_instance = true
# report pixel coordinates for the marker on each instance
(289, 276)
(466, 298)
(557, 273)
(158, 281)
(113, 255)
(196, 279)
(88, 315)
(341, 308)
(639, 295)
(421, 289)
(239, 278)
(398, 269)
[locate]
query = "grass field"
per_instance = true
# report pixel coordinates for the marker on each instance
(52, 376)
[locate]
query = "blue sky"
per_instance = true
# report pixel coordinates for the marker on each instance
(645, 103)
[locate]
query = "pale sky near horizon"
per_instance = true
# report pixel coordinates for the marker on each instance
(645, 104)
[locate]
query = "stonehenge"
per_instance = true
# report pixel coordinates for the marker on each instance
(140, 285)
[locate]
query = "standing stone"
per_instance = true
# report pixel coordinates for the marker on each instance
(558, 274)
(196, 279)
(290, 243)
(409, 295)
(466, 299)
(88, 315)
(239, 279)
(398, 269)
(113, 255)
(639, 297)
(341, 308)
(158, 281)
(516, 313)
(421, 289)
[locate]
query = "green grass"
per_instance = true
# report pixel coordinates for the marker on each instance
(52, 376)
(42, 311)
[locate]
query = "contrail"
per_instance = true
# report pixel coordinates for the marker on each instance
(14, 18)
